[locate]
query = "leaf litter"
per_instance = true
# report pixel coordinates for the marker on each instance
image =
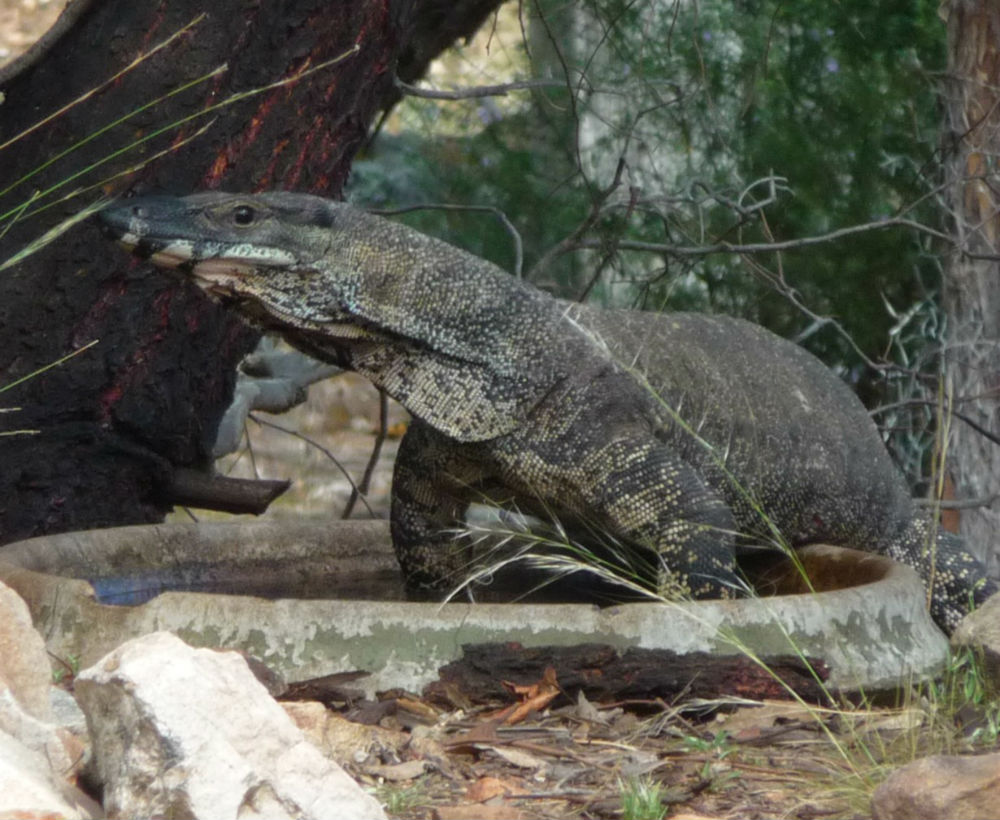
(546, 753)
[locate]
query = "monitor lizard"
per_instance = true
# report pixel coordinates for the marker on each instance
(680, 435)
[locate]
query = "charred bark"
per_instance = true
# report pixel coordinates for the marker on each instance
(116, 422)
(604, 674)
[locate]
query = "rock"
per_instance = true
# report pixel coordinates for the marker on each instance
(980, 631)
(957, 787)
(59, 751)
(66, 713)
(25, 685)
(182, 732)
(29, 789)
(24, 664)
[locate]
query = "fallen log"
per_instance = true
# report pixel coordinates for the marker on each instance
(605, 674)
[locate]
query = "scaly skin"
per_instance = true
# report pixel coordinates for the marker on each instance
(677, 434)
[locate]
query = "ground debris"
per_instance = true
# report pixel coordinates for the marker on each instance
(527, 733)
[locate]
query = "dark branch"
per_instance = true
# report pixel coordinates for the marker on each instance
(194, 488)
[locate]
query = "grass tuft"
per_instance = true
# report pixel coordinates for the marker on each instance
(642, 799)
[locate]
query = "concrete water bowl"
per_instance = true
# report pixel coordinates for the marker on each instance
(268, 587)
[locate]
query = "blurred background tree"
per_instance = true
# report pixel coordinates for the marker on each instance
(704, 103)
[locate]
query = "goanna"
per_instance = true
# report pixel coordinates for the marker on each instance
(678, 434)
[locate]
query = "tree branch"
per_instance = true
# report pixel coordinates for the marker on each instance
(957, 504)
(366, 480)
(515, 235)
(754, 247)
(195, 488)
(319, 447)
(474, 92)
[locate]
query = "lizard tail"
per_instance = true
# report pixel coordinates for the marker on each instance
(955, 579)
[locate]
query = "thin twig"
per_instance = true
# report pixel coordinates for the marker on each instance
(515, 235)
(755, 247)
(573, 240)
(609, 253)
(319, 447)
(366, 480)
(958, 504)
(994, 437)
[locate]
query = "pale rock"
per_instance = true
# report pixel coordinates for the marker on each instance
(56, 747)
(952, 786)
(24, 663)
(66, 712)
(980, 631)
(183, 732)
(29, 789)
(25, 685)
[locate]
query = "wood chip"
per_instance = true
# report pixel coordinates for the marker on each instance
(522, 760)
(408, 770)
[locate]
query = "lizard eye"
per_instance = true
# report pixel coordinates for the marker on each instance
(243, 215)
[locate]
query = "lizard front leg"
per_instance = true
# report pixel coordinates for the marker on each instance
(432, 487)
(646, 497)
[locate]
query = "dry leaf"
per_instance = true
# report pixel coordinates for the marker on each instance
(518, 758)
(399, 771)
(418, 708)
(485, 732)
(486, 788)
(585, 710)
(535, 697)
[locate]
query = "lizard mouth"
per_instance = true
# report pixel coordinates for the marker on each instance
(218, 270)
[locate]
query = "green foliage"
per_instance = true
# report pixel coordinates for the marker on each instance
(966, 697)
(69, 668)
(716, 749)
(844, 107)
(402, 799)
(700, 101)
(642, 799)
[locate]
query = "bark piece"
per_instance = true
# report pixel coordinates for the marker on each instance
(602, 673)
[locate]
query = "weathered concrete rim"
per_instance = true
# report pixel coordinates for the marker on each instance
(873, 636)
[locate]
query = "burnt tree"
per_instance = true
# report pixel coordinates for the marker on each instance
(118, 425)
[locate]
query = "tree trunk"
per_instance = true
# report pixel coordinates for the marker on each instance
(117, 422)
(972, 284)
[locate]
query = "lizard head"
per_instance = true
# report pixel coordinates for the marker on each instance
(298, 263)
(259, 252)
(422, 319)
